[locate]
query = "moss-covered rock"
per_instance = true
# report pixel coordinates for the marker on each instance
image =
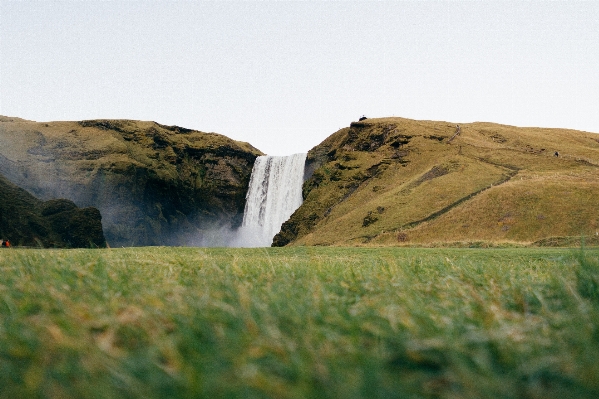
(52, 207)
(153, 184)
(28, 221)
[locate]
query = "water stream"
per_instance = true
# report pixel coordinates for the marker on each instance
(274, 193)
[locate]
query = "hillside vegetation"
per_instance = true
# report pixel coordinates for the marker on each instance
(153, 184)
(395, 181)
(57, 223)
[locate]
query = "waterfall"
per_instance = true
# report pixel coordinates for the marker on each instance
(274, 193)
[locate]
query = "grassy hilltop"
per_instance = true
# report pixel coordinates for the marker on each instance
(395, 181)
(153, 184)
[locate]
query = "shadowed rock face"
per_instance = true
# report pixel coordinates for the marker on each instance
(25, 220)
(153, 184)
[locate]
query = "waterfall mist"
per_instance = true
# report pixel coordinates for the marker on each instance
(274, 193)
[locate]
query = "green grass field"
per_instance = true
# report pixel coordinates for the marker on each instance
(299, 323)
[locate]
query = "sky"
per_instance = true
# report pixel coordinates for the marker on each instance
(284, 75)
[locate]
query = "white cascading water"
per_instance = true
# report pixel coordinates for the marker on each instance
(275, 192)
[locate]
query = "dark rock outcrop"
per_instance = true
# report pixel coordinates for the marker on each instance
(59, 223)
(153, 184)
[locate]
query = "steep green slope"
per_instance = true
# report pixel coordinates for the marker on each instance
(395, 181)
(153, 184)
(25, 220)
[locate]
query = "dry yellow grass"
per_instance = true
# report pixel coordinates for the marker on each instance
(394, 181)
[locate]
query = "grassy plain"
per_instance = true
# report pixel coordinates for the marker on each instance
(299, 323)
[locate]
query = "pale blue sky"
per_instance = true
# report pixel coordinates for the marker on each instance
(285, 75)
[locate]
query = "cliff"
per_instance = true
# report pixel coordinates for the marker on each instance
(153, 184)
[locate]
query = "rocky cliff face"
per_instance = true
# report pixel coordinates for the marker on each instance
(153, 184)
(58, 223)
